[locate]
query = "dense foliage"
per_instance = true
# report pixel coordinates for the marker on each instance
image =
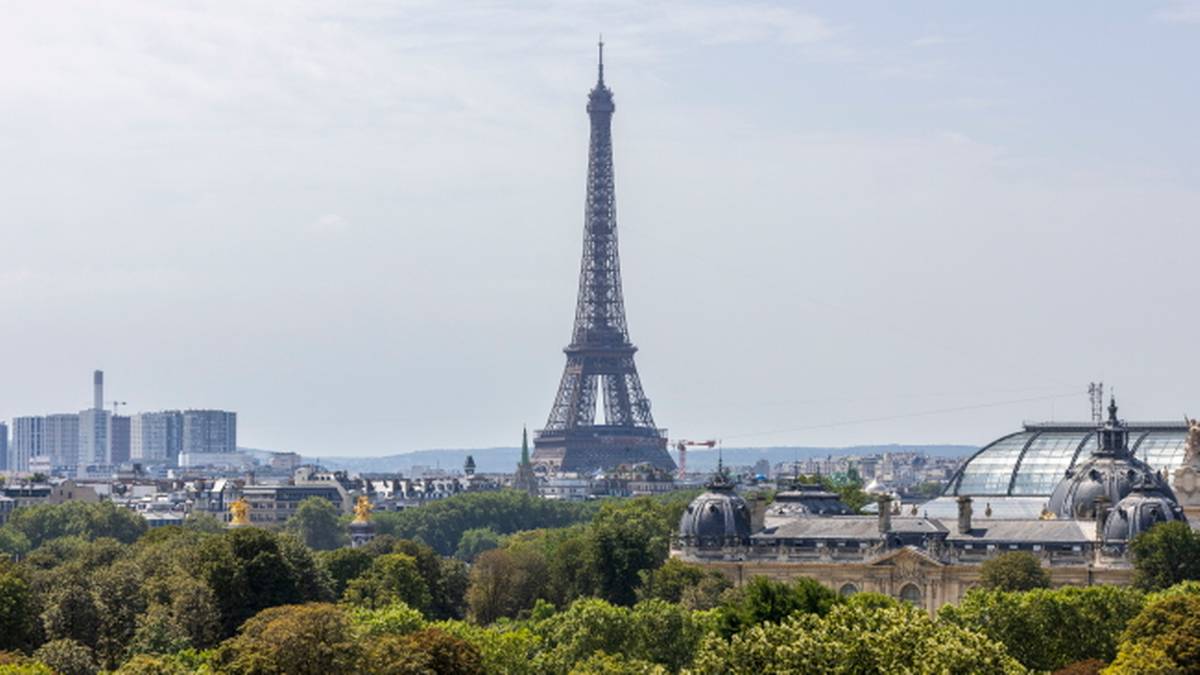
(1048, 629)
(1013, 571)
(855, 639)
(1165, 636)
(94, 591)
(1166, 555)
(441, 524)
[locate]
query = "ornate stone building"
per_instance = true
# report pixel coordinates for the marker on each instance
(1080, 534)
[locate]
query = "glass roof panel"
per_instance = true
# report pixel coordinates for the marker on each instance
(1046, 462)
(991, 470)
(1163, 450)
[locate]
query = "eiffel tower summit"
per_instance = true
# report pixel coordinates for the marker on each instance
(600, 367)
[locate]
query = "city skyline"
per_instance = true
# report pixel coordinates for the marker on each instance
(351, 228)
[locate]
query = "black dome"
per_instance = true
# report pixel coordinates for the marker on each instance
(1143, 508)
(1111, 473)
(717, 518)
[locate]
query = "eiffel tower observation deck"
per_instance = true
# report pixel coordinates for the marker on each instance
(600, 371)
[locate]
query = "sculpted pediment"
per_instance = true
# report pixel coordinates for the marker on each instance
(907, 561)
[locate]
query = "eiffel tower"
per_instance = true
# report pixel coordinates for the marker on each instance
(600, 366)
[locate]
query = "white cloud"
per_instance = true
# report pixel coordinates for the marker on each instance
(1183, 11)
(330, 224)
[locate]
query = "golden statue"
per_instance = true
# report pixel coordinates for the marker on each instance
(239, 512)
(362, 509)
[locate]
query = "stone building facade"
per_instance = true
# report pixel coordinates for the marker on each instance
(1081, 537)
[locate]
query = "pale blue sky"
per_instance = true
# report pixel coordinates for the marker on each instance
(358, 224)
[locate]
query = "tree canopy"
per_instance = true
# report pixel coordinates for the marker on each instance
(1165, 555)
(1013, 571)
(441, 524)
(316, 523)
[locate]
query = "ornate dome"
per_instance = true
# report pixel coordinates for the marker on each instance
(1110, 474)
(1141, 509)
(717, 518)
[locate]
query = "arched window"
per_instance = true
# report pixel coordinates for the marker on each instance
(847, 590)
(912, 595)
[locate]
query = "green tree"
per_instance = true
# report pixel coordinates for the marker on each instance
(449, 593)
(13, 542)
(854, 640)
(204, 523)
(342, 565)
(1165, 635)
(394, 619)
(602, 663)
(309, 639)
(316, 523)
(1013, 571)
(680, 582)
(427, 651)
(391, 578)
(447, 654)
(1165, 555)
(18, 664)
(765, 600)
(157, 632)
(562, 558)
(509, 649)
(148, 664)
(665, 633)
(18, 612)
(71, 613)
(67, 657)
(504, 583)
(89, 521)
(117, 595)
(441, 524)
(588, 626)
(628, 537)
(475, 541)
(1047, 629)
(195, 611)
(250, 569)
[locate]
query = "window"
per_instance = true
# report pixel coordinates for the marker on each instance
(847, 590)
(912, 595)
(991, 470)
(1046, 462)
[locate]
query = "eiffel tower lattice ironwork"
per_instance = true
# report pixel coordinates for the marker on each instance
(600, 365)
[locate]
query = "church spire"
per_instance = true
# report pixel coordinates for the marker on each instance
(524, 446)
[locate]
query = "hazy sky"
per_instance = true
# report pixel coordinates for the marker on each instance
(359, 224)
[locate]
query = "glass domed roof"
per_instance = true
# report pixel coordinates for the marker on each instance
(1031, 462)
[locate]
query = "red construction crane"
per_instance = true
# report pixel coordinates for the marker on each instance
(682, 447)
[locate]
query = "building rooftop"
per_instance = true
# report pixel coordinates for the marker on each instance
(1031, 462)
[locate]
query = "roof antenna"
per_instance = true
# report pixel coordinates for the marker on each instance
(601, 45)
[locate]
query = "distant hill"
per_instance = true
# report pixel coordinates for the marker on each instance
(504, 460)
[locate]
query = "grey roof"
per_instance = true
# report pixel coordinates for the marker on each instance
(1027, 531)
(1032, 461)
(1009, 508)
(847, 527)
(984, 530)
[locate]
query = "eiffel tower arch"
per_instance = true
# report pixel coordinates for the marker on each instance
(600, 371)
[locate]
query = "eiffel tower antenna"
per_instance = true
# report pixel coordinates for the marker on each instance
(600, 370)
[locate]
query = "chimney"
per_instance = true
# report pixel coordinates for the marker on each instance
(885, 514)
(1101, 516)
(758, 513)
(964, 515)
(98, 390)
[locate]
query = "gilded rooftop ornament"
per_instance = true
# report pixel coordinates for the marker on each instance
(362, 510)
(239, 512)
